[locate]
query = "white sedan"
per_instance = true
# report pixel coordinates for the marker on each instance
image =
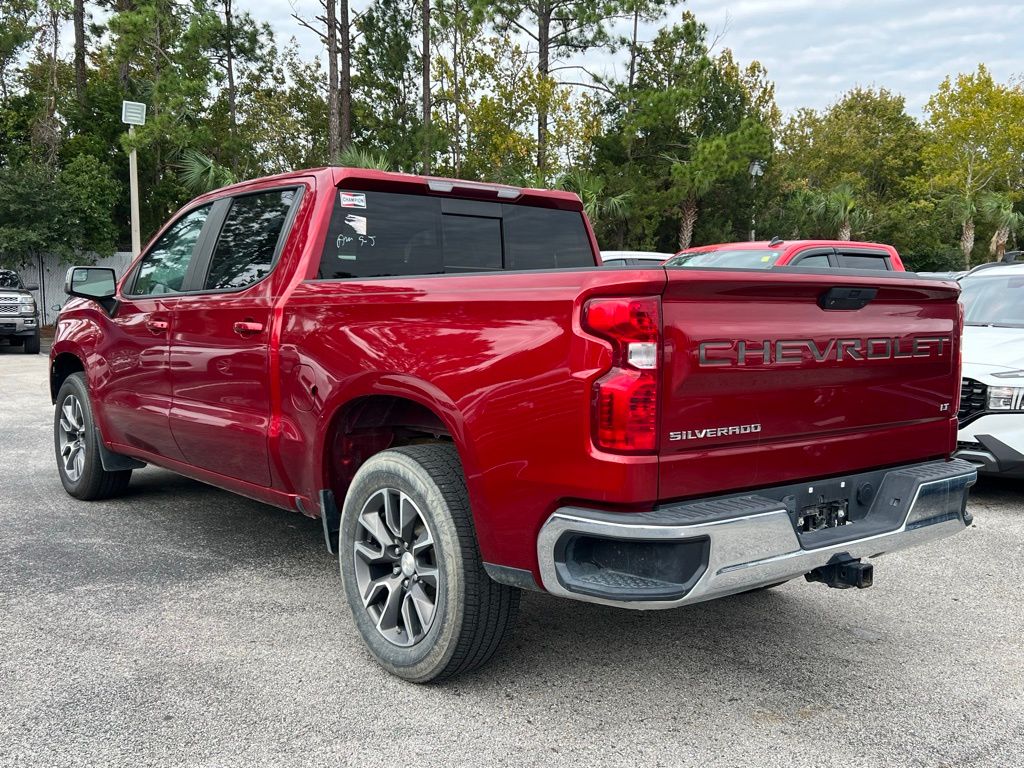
(633, 258)
(992, 393)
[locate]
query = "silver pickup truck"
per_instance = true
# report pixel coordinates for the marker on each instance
(19, 318)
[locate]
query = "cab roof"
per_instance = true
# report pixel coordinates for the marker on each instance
(387, 181)
(783, 245)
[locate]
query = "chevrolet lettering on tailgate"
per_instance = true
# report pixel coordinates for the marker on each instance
(787, 351)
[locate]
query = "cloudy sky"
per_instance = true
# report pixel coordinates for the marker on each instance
(815, 50)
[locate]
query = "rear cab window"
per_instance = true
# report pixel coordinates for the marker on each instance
(863, 260)
(388, 234)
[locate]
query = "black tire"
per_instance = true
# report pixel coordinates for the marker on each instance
(471, 613)
(32, 344)
(87, 479)
(16, 341)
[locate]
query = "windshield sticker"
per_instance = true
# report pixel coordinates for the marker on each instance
(352, 200)
(357, 223)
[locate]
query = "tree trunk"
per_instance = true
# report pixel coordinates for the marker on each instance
(845, 230)
(997, 247)
(427, 144)
(632, 48)
(79, 17)
(687, 220)
(543, 69)
(122, 69)
(229, 28)
(345, 96)
(967, 241)
(333, 128)
(456, 114)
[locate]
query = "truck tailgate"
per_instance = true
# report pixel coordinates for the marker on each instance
(768, 380)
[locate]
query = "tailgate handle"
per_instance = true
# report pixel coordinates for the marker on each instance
(846, 298)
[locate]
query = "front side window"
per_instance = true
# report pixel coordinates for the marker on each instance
(247, 245)
(163, 268)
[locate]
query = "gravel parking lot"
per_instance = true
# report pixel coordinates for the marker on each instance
(182, 625)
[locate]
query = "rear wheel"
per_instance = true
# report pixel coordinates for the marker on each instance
(76, 443)
(411, 569)
(32, 344)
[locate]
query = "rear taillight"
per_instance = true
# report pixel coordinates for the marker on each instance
(625, 400)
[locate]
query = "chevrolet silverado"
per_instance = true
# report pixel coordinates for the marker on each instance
(439, 371)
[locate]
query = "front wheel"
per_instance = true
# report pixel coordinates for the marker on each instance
(411, 569)
(76, 443)
(32, 344)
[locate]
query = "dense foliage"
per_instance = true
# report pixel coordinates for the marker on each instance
(661, 157)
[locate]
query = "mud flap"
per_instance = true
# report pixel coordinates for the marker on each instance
(331, 519)
(116, 462)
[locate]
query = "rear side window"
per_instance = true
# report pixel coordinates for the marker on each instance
(248, 240)
(163, 268)
(863, 261)
(384, 234)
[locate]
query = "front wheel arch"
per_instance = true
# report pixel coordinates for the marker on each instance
(62, 366)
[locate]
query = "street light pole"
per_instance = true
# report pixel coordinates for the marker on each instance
(134, 113)
(133, 183)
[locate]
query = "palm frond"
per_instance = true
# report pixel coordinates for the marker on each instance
(357, 157)
(200, 173)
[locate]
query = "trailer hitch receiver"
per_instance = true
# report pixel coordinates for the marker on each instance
(851, 573)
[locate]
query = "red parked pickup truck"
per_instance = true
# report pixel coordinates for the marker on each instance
(809, 254)
(440, 372)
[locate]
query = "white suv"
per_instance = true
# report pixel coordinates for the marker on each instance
(992, 394)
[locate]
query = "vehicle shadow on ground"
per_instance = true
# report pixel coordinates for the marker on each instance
(7, 348)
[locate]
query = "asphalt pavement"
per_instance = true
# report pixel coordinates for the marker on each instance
(183, 625)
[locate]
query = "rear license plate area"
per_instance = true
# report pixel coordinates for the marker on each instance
(821, 506)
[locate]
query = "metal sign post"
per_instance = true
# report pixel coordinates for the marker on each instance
(134, 113)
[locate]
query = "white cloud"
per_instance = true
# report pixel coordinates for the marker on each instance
(814, 50)
(907, 46)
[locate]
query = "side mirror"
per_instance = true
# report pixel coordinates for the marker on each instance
(96, 283)
(31, 286)
(90, 283)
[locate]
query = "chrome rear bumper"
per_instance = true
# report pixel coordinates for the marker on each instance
(700, 550)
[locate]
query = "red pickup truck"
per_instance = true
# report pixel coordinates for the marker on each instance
(440, 372)
(809, 254)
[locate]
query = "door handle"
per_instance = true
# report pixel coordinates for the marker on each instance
(157, 326)
(247, 327)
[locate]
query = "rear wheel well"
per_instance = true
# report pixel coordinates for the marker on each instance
(369, 425)
(63, 366)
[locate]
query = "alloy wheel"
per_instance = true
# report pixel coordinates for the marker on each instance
(396, 567)
(72, 438)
